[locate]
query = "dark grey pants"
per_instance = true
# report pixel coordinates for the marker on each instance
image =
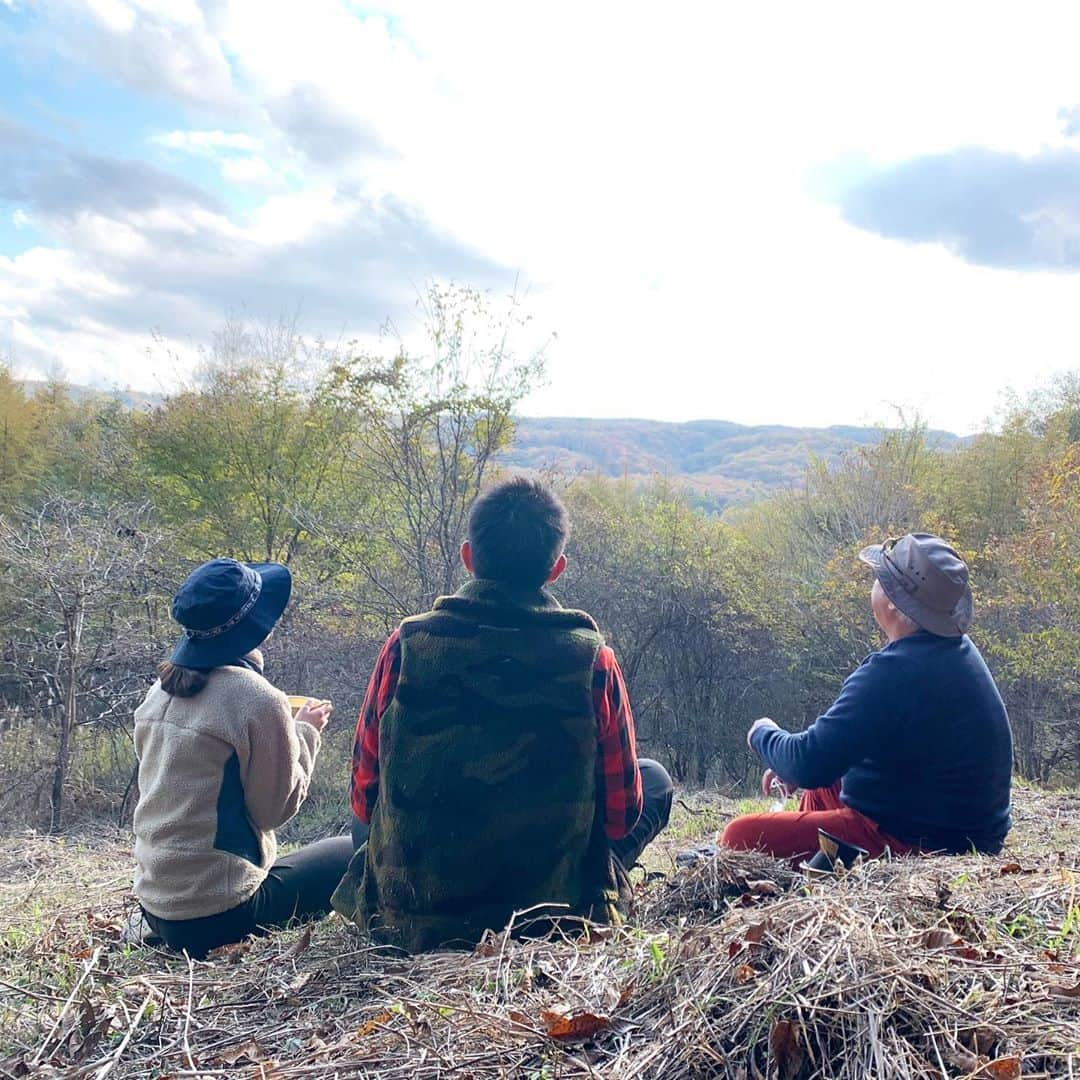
(657, 792)
(298, 886)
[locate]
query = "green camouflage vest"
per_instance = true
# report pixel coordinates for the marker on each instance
(487, 776)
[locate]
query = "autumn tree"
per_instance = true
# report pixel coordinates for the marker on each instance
(77, 618)
(243, 455)
(432, 420)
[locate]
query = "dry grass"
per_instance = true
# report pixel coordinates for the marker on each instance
(960, 967)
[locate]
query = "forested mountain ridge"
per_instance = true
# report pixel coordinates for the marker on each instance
(722, 461)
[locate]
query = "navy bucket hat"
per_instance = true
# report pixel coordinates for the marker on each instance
(227, 608)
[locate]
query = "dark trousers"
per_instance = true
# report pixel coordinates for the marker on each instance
(657, 792)
(298, 886)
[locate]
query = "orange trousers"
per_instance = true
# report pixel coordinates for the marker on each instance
(793, 834)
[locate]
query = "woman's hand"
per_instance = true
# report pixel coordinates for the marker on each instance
(315, 713)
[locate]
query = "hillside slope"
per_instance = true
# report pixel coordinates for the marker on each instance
(739, 967)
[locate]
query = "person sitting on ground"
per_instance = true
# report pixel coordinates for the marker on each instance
(495, 773)
(222, 763)
(915, 755)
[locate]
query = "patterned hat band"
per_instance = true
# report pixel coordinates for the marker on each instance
(217, 631)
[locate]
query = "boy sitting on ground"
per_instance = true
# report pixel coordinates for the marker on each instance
(495, 770)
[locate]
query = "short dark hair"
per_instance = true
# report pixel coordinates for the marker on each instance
(517, 531)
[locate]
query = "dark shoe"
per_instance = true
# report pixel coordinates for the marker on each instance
(833, 854)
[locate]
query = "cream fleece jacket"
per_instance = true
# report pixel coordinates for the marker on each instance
(218, 772)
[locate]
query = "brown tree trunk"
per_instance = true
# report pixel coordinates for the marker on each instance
(63, 755)
(68, 716)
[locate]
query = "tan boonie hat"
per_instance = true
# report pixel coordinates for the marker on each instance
(926, 579)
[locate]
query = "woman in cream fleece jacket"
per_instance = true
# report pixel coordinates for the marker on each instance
(222, 763)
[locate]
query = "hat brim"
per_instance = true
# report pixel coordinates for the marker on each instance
(250, 632)
(945, 624)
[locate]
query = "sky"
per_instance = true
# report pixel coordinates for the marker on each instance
(790, 213)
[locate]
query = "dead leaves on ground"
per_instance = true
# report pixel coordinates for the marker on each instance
(565, 1023)
(786, 1048)
(953, 944)
(751, 936)
(980, 1067)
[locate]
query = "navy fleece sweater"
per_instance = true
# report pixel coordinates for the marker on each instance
(921, 738)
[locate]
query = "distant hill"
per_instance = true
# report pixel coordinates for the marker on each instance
(720, 461)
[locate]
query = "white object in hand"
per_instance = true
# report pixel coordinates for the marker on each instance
(779, 795)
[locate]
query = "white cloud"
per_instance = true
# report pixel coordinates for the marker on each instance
(161, 47)
(249, 171)
(113, 14)
(647, 174)
(207, 143)
(234, 153)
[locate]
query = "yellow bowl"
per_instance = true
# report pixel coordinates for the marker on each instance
(298, 701)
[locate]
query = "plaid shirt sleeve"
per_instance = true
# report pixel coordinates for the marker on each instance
(364, 785)
(618, 779)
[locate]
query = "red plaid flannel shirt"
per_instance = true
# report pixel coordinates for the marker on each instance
(618, 779)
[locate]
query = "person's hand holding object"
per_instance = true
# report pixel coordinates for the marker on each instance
(315, 713)
(773, 787)
(761, 722)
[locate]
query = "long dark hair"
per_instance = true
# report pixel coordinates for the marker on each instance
(181, 681)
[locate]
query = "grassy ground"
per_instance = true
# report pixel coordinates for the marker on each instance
(941, 968)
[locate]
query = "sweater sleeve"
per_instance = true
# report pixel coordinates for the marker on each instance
(282, 756)
(849, 731)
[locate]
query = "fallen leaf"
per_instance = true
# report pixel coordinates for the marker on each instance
(488, 945)
(520, 1019)
(744, 973)
(962, 1058)
(374, 1024)
(755, 932)
(966, 952)
(302, 944)
(1002, 1068)
(247, 1053)
(561, 1023)
(1011, 868)
(110, 927)
(785, 1048)
(231, 954)
(940, 939)
(763, 888)
(1066, 991)
(264, 1070)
